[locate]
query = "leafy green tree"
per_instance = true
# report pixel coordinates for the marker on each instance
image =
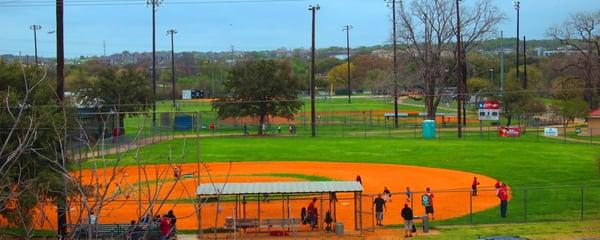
(33, 125)
(568, 93)
(260, 88)
(119, 90)
(518, 103)
(338, 76)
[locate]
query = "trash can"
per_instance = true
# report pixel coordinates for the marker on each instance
(339, 229)
(429, 129)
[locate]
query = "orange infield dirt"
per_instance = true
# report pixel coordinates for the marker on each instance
(445, 184)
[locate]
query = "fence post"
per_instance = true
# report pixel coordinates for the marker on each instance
(581, 203)
(371, 117)
(471, 206)
(525, 205)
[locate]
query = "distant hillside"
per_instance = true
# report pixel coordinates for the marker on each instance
(127, 57)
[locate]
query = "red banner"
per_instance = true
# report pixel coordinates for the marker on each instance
(509, 131)
(491, 105)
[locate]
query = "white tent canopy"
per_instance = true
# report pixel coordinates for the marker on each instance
(278, 187)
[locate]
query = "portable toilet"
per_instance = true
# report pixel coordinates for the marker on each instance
(429, 129)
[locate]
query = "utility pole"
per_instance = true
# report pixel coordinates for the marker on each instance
(35, 27)
(61, 202)
(155, 4)
(589, 91)
(347, 29)
(232, 54)
(395, 67)
(501, 63)
(524, 62)
(517, 5)
(172, 32)
(459, 70)
(104, 48)
(313, 129)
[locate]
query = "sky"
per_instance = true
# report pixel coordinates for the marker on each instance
(216, 25)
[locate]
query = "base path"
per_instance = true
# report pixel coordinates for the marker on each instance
(450, 188)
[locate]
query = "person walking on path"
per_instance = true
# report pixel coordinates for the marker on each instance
(503, 195)
(407, 215)
(474, 186)
(245, 130)
(379, 205)
(408, 194)
(427, 201)
(387, 194)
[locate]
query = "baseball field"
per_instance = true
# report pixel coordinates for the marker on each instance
(548, 179)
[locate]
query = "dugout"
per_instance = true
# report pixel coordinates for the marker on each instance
(286, 195)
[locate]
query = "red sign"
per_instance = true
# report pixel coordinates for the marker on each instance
(491, 105)
(509, 131)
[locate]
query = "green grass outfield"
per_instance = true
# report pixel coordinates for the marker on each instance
(555, 230)
(551, 172)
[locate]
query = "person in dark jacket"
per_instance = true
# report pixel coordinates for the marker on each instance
(328, 221)
(173, 218)
(407, 215)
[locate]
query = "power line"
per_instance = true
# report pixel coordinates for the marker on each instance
(134, 3)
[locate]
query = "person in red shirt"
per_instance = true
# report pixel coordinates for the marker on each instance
(474, 186)
(503, 195)
(165, 227)
(312, 214)
(497, 186)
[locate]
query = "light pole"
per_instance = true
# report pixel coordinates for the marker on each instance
(395, 67)
(525, 62)
(459, 71)
(501, 63)
(517, 5)
(313, 129)
(172, 32)
(154, 4)
(347, 29)
(35, 28)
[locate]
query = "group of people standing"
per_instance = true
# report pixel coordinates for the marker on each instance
(166, 224)
(379, 205)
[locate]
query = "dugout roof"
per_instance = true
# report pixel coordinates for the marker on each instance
(278, 187)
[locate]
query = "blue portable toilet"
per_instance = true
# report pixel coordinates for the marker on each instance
(429, 129)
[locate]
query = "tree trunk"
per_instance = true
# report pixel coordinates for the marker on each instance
(261, 124)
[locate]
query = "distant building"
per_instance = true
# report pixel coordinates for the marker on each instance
(594, 123)
(383, 53)
(542, 52)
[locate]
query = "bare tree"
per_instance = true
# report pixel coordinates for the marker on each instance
(581, 34)
(429, 28)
